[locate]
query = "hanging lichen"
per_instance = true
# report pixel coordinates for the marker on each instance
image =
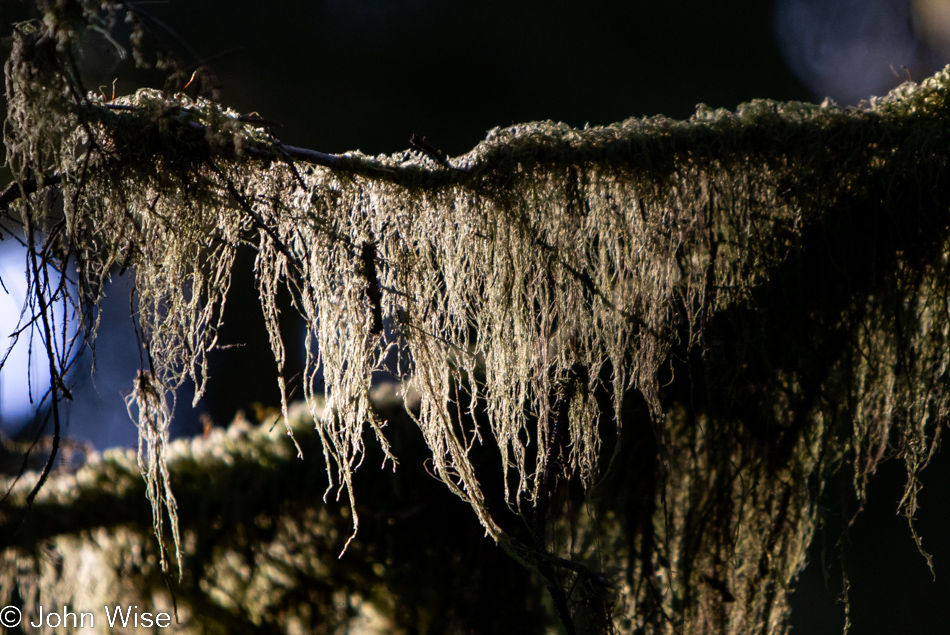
(259, 551)
(771, 284)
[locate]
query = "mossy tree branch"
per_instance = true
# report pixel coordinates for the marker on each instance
(757, 298)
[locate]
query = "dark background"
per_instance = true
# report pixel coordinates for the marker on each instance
(367, 74)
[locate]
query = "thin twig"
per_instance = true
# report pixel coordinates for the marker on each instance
(258, 221)
(433, 153)
(55, 379)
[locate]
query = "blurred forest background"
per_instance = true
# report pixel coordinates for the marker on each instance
(367, 74)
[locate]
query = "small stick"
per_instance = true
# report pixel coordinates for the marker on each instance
(430, 151)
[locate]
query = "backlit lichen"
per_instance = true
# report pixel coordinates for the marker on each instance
(770, 285)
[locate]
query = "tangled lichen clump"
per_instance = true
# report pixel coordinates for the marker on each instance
(778, 274)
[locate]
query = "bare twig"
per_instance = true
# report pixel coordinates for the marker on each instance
(433, 153)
